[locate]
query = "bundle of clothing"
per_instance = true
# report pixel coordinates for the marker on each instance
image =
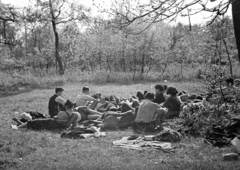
(221, 136)
(83, 133)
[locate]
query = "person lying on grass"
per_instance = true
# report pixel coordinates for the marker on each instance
(56, 102)
(109, 104)
(64, 119)
(173, 104)
(113, 120)
(87, 113)
(149, 116)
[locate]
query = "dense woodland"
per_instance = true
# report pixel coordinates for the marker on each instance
(54, 37)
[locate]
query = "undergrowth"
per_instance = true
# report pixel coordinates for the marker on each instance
(44, 78)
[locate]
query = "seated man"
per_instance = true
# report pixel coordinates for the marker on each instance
(149, 115)
(84, 98)
(159, 97)
(56, 102)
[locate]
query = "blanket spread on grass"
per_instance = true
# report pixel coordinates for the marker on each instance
(141, 144)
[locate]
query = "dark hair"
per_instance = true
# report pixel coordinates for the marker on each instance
(145, 92)
(59, 90)
(97, 95)
(172, 91)
(140, 96)
(112, 98)
(165, 87)
(159, 87)
(149, 96)
(85, 89)
(229, 81)
(69, 104)
(107, 98)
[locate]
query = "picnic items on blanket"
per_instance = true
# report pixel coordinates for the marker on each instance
(83, 133)
(140, 144)
(221, 136)
(168, 135)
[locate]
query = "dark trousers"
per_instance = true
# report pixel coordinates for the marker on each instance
(53, 113)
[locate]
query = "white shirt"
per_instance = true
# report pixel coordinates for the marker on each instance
(82, 99)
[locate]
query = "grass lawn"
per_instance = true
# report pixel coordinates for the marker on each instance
(46, 150)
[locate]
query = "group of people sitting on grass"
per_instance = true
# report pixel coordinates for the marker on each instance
(145, 111)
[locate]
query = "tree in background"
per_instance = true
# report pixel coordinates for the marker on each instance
(59, 12)
(156, 11)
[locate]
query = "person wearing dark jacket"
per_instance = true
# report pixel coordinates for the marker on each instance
(56, 102)
(173, 104)
(159, 96)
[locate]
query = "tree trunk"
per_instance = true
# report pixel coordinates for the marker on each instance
(229, 58)
(58, 59)
(236, 23)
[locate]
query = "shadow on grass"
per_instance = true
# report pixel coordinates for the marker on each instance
(15, 90)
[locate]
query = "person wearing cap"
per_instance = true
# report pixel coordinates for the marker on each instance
(159, 97)
(56, 102)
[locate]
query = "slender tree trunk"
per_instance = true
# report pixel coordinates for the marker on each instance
(229, 58)
(236, 23)
(58, 59)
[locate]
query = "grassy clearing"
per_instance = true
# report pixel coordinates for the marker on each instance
(45, 150)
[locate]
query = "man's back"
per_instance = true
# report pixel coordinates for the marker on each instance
(82, 99)
(146, 112)
(52, 104)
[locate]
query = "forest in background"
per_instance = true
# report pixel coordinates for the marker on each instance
(59, 41)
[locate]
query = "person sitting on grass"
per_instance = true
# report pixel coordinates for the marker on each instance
(159, 97)
(56, 102)
(149, 115)
(69, 116)
(141, 95)
(64, 119)
(173, 104)
(84, 98)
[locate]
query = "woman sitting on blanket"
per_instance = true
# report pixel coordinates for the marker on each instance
(64, 119)
(173, 104)
(149, 115)
(159, 95)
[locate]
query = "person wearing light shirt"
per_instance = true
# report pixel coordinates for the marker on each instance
(82, 105)
(84, 98)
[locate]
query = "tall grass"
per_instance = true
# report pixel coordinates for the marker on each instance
(174, 72)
